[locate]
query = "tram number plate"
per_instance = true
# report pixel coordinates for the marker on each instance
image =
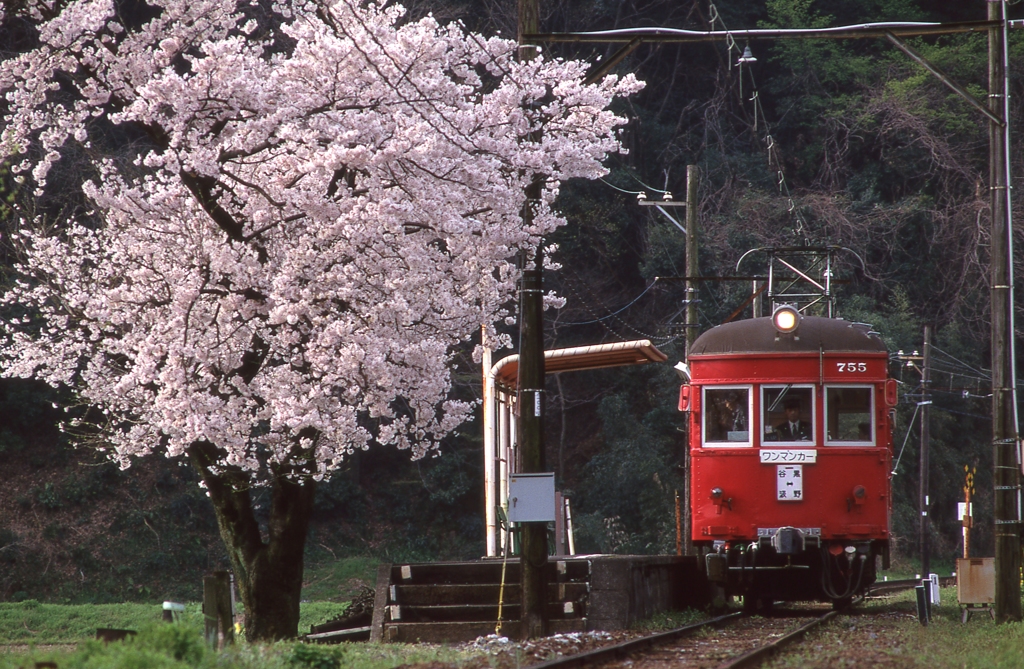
(790, 483)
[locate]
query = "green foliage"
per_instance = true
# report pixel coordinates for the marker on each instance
(47, 496)
(627, 491)
(949, 644)
(104, 535)
(34, 622)
(11, 441)
(669, 620)
(329, 579)
(316, 657)
(177, 640)
(180, 645)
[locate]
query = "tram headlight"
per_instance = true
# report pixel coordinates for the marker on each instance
(785, 318)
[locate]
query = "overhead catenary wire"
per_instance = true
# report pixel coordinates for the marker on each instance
(602, 320)
(646, 187)
(984, 374)
(614, 313)
(621, 190)
(774, 160)
(961, 413)
(910, 427)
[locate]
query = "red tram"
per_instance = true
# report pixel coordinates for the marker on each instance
(791, 452)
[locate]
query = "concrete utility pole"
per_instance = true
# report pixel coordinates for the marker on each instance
(533, 555)
(692, 271)
(925, 403)
(1006, 475)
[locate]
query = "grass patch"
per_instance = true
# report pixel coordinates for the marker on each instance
(33, 623)
(892, 636)
(980, 643)
(338, 580)
(669, 620)
(906, 568)
(314, 613)
(180, 646)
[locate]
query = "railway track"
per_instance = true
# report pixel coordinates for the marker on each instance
(886, 587)
(732, 641)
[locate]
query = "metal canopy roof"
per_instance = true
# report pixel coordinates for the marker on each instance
(506, 371)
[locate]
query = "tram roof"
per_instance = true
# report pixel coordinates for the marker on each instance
(758, 335)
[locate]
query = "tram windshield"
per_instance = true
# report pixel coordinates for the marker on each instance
(726, 415)
(788, 414)
(848, 415)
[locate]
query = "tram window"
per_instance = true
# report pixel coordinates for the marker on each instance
(726, 412)
(788, 414)
(848, 412)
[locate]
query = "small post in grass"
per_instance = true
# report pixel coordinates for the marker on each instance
(922, 603)
(172, 611)
(217, 613)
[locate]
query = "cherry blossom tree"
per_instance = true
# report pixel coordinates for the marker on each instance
(298, 211)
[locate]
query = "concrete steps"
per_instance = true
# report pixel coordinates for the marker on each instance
(459, 601)
(470, 594)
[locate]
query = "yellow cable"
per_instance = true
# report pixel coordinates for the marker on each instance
(501, 588)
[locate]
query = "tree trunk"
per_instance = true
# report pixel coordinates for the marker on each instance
(268, 571)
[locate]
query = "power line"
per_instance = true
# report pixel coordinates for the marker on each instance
(746, 57)
(961, 362)
(621, 190)
(600, 320)
(910, 427)
(614, 313)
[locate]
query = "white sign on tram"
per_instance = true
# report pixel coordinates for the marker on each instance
(790, 483)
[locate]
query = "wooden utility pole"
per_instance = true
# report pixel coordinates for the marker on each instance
(533, 556)
(692, 271)
(926, 401)
(1006, 475)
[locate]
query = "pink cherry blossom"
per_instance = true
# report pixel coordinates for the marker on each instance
(329, 201)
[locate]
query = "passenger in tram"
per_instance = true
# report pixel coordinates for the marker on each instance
(729, 420)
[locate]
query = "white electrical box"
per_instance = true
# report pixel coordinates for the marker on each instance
(531, 498)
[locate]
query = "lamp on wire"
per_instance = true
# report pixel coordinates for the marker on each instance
(746, 59)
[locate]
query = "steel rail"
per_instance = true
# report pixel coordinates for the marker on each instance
(607, 653)
(761, 654)
(751, 658)
(748, 659)
(904, 584)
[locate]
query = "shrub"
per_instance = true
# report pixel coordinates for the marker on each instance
(315, 657)
(177, 640)
(97, 655)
